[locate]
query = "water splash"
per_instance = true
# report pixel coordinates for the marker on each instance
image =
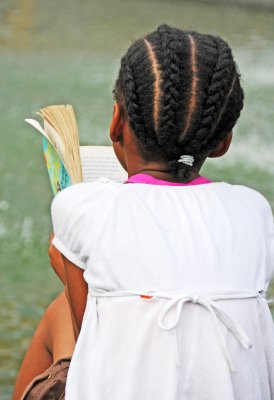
(3, 229)
(4, 205)
(27, 229)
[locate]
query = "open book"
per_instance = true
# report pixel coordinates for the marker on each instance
(68, 162)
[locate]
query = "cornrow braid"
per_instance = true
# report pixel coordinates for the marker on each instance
(137, 97)
(216, 94)
(194, 81)
(157, 82)
(232, 111)
(181, 93)
(175, 77)
(170, 93)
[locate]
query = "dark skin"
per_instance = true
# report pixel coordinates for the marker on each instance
(56, 261)
(127, 151)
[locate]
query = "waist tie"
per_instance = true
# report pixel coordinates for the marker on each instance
(205, 300)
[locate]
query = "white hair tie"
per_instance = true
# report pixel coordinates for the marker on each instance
(186, 159)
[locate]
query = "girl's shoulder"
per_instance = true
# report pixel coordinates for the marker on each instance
(80, 200)
(76, 212)
(80, 193)
(250, 194)
(245, 197)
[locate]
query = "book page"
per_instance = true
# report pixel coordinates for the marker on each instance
(39, 128)
(101, 161)
(50, 134)
(61, 128)
(51, 137)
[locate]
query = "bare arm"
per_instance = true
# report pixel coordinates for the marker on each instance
(56, 261)
(77, 290)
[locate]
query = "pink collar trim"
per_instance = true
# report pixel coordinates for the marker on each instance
(145, 178)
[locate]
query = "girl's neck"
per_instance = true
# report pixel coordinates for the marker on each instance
(136, 164)
(164, 175)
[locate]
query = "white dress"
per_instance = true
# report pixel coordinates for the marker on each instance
(205, 254)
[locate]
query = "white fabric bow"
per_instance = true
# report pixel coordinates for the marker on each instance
(216, 312)
(207, 301)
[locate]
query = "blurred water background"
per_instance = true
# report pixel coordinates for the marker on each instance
(66, 51)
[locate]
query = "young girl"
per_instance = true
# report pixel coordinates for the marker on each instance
(167, 273)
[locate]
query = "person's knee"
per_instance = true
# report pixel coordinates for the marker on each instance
(58, 326)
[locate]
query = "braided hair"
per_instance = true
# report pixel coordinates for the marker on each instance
(181, 94)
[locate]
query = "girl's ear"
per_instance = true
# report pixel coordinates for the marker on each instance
(223, 147)
(116, 128)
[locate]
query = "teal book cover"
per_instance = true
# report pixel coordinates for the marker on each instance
(58, 175)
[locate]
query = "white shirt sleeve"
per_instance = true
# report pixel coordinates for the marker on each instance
(260, 205)
(68, 220)
(270, 234)
(77, 213)
(268, 219)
